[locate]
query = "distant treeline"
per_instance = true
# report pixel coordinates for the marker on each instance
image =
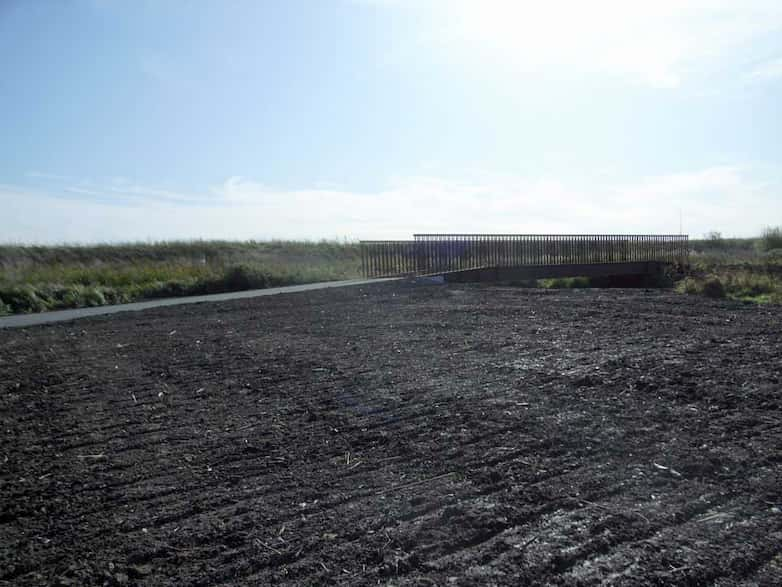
(769, 242)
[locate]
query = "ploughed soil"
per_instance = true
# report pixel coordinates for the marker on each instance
(400, 434)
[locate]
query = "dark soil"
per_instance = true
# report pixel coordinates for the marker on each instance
(397, 434)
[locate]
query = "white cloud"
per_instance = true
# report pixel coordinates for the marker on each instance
(724, 198)
(655, 43)
(118, 191)
(768, 70)
(47, 176)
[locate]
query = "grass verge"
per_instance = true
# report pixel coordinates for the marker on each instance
(739, 269)
(37, 279)
(737, 285)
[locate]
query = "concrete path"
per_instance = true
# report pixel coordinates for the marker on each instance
(23, 320)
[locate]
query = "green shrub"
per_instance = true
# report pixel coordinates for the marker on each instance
(65, 296)
(737, 285)
(112, 295)
(24, 299)
(4, 308)
(166, 289)
(689, 285)
(69, 297)
(747, 284)
(93, 296)
(242, 277)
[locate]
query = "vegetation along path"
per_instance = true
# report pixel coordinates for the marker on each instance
(401, 434)
(24, 320)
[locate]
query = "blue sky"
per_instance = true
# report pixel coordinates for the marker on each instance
(379, 118)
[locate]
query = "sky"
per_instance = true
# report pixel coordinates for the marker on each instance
(369, 119)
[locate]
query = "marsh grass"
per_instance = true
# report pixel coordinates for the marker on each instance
(40, 278)
(746, 269)
(758, 279)
(770, 239)
(739, 269)
(736, 285)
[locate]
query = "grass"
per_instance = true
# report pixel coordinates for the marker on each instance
(770, 239)
(736, 285)
(40, 278)
(740, 269)
(622, 281)
(746, 269)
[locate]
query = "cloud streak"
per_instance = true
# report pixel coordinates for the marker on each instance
(724, 198)
(114, 192)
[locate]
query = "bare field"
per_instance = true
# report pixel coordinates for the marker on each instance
(397, 434)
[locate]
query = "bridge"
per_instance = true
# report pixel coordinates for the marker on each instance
(511, 257)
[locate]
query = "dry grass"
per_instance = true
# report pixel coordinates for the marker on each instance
(39, 278)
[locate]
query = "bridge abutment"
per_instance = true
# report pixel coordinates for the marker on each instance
(529, 272)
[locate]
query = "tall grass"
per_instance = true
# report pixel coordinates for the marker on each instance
(39, 278)
(770, 239)
(715, 246)
(741, 269)
(734, 285)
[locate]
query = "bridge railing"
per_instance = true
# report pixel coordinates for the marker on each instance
(440, 253)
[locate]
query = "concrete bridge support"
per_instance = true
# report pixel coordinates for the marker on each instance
(524, 273)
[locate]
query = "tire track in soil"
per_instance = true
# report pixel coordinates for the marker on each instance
(307, 512)
(737, 568)
(430, 512)
(383, 371)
